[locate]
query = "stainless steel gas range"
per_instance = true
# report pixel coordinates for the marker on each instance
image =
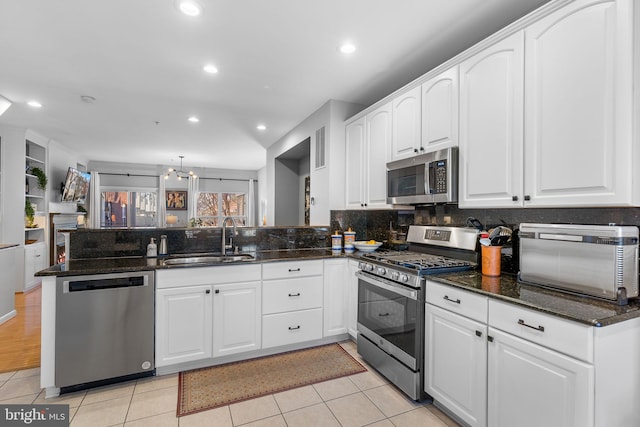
(391, 288)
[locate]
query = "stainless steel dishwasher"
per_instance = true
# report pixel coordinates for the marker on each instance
(104, 328)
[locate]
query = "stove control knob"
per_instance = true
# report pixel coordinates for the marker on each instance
(404, 278)
(395, 275)
(382, 271)
(368, 267)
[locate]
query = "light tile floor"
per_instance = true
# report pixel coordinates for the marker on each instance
(365, 399)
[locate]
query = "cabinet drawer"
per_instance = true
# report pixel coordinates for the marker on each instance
(565, 336)
(457, 300)
(287, 269)
(289, 328)
(291, 294)
(219, 274)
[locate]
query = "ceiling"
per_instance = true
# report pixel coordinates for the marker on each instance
(278, 62)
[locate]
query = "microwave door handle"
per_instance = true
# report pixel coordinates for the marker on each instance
(427, 182)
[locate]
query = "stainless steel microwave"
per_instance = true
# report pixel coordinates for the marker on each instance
(425, 179)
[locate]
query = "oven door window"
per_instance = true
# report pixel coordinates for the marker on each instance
(389, 315)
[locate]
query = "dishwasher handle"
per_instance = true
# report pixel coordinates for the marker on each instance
(104, 283)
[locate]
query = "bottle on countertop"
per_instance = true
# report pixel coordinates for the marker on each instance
(163, 245)
(152, 248)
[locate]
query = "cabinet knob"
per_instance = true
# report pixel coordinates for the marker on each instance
(514, 198)
(527, 198)
(478, 333)
(217, 291)
(421, 148)
(415, 150)
(208, 291)
(489, 338)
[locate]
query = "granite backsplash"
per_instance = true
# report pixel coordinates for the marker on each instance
(368, 224)
(132, 242)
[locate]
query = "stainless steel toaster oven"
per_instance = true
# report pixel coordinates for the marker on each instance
(600, 261)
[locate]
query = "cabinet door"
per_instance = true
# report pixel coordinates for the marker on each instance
(578, 142)
(183, 324)
(237, 317)
(529, 385)
(491, 134)
(440, 111)
(406, 125)
(335, 297)
(456, 364)
(355, 155)
(378, 143)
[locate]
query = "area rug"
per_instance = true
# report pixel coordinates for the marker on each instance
(208, 388)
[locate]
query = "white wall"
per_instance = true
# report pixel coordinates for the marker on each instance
(327, 196)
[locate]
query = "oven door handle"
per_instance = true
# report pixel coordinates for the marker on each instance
(388, 285)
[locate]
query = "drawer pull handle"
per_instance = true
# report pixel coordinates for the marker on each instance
(539, 328)
(291, 270)
(293, 328)
(446, 297)
(383, 314)
(295, 295)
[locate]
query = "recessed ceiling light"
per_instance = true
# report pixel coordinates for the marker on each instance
(34, 104)
(193, 119)
(261, 127)
(347, 48)
(210, 68)
(190, 7)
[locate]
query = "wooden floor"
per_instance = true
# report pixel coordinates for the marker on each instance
(20, 336)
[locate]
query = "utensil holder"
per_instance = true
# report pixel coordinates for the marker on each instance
(491, 260)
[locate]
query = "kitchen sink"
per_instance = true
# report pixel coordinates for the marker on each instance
(208, 259)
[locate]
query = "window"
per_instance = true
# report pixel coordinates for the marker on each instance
(214, 207)
(128, 209)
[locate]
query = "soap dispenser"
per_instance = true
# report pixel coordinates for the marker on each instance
(163, 245)
(152, 248)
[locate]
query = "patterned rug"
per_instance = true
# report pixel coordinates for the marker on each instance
(208, 388)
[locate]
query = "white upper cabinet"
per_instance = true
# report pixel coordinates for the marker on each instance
(355, 155)
(367, 143)
(578, 104)
(491, 133)
(407, 121)
(440, 111)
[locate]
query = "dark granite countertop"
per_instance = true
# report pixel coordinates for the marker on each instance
(8, 245)
(81, 267)
(506, 287)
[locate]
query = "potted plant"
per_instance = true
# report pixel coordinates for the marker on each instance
(29, 213)
(41, 176)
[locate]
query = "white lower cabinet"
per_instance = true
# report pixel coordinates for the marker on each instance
(336, 297)
(237, 318)
(455, 364)
(35, 259)
(292, 302)
(207, 312)
(183, 324)
(530, 385)
(456, 351)
(291, 327)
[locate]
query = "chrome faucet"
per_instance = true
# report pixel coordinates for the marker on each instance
(224, 245)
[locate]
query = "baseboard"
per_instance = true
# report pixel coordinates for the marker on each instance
(8, 316)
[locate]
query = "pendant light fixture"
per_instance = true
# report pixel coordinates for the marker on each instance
(179, 173)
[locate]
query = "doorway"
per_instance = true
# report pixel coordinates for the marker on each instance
(292, 185)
